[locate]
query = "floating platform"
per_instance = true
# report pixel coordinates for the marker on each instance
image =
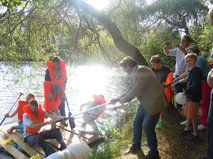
(28, 151)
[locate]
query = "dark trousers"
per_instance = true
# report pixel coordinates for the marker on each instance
(209, 154)
(143, 120)
(62, 108)
(179, 87)
(39, 140)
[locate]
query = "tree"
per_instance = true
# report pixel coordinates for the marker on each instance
(179, 14)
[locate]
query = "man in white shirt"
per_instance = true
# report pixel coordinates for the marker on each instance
(179, 52)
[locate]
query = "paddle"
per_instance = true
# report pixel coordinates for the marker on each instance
(70, 117)
(12, 107)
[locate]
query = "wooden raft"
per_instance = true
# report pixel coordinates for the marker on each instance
(17, 137)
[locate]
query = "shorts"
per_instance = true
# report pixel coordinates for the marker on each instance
(191, 109)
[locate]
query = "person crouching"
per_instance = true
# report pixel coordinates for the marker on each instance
(33, 120)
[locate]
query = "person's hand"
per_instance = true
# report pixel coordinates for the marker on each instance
(50, 122)
(121, 101)
(164, 45)
(182, 80)
(113, 101)
(174, 43)
(176, 79)
(7, 115)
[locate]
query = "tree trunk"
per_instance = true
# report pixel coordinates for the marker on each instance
(120, 43)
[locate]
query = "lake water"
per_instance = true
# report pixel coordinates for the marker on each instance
(83, 82)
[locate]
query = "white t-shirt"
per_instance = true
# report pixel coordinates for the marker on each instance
(180, 65)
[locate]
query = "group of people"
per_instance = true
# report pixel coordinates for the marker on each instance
(195, 82)
(191, 70)
(31, 114)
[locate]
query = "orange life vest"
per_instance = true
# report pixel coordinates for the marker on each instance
(101, 101)
(21, 105)
(53, 102)
(39, 117)
(168, 90)
(53, 71)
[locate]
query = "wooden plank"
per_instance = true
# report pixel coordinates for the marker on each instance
(20, 141)
(18, 138)
(12, 150)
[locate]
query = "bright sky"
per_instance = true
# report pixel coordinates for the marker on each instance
(100, 4)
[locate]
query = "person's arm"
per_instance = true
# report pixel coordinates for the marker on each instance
(12, 115)
(165, 49)
(141, 76)
(84, 105)
(183, 75)
(36, 126)
(183, 50)
(47, 75)
(55, 115)
(196, 77)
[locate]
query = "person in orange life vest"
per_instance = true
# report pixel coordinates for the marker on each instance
(56, 71)
(20, 112)
(53, 95)
(92, 115)
(33, 120)
(163, 74)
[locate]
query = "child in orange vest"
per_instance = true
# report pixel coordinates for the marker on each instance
(20, 112)
(90, 116)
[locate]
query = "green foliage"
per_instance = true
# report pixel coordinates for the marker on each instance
(11, 3)
(152, 44)
(178, 14)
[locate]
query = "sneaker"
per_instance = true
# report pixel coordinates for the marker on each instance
(201, 127)
(191, 137)
(183, 123)
(133, 150)
(152, 156)
(160, 124)
(63, 146)
(184, 132)
(10, 130)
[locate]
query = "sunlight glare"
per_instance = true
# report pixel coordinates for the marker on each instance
(99, 4)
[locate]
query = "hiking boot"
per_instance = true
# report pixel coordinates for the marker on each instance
(201, 127)
(183, 123)
(160, 124)
(133, 150)
(191, 137)
(152, 156)
(10, 130)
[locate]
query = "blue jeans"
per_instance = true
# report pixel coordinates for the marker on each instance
(143, 120)
(62, 108)
(19, 126)
(209, 154)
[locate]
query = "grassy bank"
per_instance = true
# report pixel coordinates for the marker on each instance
(171, 144)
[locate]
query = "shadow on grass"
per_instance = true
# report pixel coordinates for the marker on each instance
(172, 145)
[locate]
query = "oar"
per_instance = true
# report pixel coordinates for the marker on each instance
(12, 107)
(70, 117)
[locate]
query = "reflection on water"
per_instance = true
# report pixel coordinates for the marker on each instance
(83, 81)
